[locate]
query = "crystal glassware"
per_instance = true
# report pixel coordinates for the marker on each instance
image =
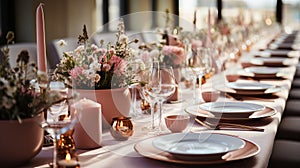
(58, 119)
(198, 64)
(160, 86)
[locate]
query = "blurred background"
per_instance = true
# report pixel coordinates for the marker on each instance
(65, 18)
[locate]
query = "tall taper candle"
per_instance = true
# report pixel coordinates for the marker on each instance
(195, 20)
(40, 38)
(208, 43)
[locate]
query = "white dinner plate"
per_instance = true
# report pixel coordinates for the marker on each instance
(249, 86)
(146, 149)
(221, 87)
(278, 53)
(273, 61)
(195, 111)
(197, 146)
(231, 109)
(263, 72)
(285, 46)
(260, 70)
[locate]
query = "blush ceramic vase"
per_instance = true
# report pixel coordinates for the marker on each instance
(114, 102)
(20, 142)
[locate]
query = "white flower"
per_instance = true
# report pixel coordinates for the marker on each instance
(131, 52)
(7, 103)
(95, 66)
(61, 43)
(94, 47)
(141, 64)
(97, 78)
(79, 49)
(91, 58)
(11, 90)
(123, 38)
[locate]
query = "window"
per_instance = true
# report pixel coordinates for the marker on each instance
(187, 11)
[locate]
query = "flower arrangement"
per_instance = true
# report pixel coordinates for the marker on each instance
(93, 67)
(19, 96)
(169, 50)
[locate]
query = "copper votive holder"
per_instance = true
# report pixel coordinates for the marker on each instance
(70, 161)
(121, 128)
(66, 151)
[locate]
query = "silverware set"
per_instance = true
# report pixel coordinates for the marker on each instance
(227, 126)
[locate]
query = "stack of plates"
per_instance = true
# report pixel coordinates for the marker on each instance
(274, 61)
(288, 46)
(264, 72)
(197, 148)
(278, 53)
(231, 110)
(248, 88)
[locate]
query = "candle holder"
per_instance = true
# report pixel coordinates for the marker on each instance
(70, 161)
(66, 151)
(145, 105)
(121, 128)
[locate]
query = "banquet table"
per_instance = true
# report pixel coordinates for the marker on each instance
(115, 153)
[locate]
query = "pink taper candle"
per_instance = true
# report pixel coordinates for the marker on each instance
(208, 43)
(40, 38)
(195, 20)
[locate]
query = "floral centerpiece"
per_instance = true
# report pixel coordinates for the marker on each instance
(21, 107)
(19, 96)
(101, 74)
(92, 67)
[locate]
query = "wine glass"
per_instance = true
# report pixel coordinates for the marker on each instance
(198, 64)
(58, 120)
(146, 78)
(160, 86)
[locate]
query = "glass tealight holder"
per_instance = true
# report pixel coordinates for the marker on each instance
(70, 161)
(121, 128)
(66, 151)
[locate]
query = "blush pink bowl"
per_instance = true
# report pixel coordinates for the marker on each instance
(210, 96)
(177, 123)
(232, 77)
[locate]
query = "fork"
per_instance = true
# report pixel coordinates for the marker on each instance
(219, 125)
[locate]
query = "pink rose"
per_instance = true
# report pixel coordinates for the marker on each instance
(106, 67)
(112, 51)
(174, 41)
(119, 64)
(75, 72)
(176, 53)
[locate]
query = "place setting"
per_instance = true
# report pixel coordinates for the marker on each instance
(277, 53)
(249, 88)
(263, 72)
(231, 111)
(197, 148)
(273, 61)
(285, 46)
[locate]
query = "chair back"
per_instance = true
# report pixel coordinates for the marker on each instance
(15, 50)
(56, 50)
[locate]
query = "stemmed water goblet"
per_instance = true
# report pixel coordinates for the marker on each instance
(160, 86)
(198, 64)
(58, 119)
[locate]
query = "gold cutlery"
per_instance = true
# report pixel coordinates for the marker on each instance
(228, 125)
